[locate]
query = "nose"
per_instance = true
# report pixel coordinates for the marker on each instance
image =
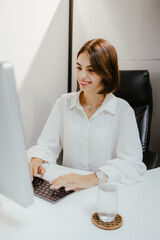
(83, 75)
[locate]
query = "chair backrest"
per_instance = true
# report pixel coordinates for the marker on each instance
(136, 89)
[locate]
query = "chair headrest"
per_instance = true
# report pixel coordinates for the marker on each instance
(135, 87)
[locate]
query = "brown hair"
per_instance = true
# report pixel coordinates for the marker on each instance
(104, 61)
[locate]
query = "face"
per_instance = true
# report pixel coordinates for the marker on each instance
(88, 80)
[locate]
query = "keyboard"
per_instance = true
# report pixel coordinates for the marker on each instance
(42, 189)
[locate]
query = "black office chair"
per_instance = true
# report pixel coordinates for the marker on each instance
(136, 89)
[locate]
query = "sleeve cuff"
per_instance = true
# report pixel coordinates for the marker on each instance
(112, 173)
(40, 152)
(115, 175)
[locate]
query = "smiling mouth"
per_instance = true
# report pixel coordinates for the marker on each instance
(85, 84)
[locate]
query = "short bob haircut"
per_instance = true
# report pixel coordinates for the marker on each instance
(104, 62)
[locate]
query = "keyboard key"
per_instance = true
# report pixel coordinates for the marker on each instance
(42, 189)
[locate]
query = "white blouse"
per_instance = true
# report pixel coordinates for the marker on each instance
(108, 141)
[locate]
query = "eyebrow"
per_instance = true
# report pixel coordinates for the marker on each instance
(89, 66)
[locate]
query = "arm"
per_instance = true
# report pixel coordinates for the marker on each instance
(127, 166)
(49, 144)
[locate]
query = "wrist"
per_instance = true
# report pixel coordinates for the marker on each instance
(101, 176)
(94, 179)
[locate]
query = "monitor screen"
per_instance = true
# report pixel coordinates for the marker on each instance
(15, 180)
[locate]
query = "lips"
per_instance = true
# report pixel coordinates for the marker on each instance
(85, 83)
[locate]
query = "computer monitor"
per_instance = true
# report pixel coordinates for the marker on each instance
(15, 180)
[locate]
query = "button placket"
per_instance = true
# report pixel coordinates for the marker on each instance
(85, 148)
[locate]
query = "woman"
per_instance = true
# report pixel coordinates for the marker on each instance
(96, 130)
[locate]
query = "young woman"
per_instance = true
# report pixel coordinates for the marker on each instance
(96, 130)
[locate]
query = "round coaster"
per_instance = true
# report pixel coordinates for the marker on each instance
(116, 223)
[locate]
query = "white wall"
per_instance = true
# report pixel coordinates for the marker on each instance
(133, 28)
(34, 37)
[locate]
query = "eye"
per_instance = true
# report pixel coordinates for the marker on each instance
(90, 70)
(78, 68)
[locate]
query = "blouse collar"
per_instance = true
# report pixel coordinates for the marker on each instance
(109, 103)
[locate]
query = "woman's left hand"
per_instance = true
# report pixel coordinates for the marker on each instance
(74, 181)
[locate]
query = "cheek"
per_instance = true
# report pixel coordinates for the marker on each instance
(99, 81)
(96, 80)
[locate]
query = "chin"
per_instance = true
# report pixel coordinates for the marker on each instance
(86, 88)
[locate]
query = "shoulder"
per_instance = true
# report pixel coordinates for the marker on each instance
(125, 114)
(67, 98)
(122, 106)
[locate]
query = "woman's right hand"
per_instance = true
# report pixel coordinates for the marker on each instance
(35, 166)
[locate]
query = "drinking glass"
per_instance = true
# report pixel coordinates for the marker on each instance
(107, 202)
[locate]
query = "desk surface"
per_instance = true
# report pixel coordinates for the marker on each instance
(139, 205)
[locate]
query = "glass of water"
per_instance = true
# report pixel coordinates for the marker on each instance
(107, 202)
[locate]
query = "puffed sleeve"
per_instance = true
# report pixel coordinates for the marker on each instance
(49, 143)
(127, 166)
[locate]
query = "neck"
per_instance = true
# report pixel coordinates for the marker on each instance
(91, 99)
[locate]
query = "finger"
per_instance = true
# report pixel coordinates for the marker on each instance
(57, 185)
(62, 178)
(35, 170)
(41, 170)
(71, 187)
(59, 182)
(31, 172)
(55, 180)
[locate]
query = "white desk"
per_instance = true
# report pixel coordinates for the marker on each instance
(139, 205)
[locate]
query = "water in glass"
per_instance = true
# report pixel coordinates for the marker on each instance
(107, 202)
